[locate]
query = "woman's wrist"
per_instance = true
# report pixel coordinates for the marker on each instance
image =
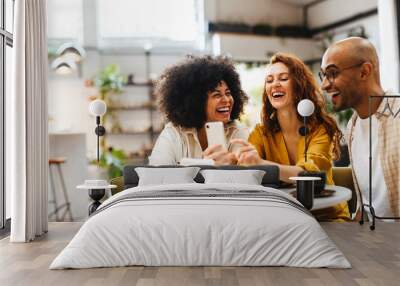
(266, 162)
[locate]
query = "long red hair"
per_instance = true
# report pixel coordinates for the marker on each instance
(304, 87)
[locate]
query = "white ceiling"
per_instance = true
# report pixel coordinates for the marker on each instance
(299, 3)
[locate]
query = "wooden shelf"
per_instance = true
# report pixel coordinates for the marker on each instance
(148, 105)
(148, 132)
(111, 108)
(150, 83)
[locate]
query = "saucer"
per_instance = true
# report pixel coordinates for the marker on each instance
(322, 194)
(305, 178)
(92, 187)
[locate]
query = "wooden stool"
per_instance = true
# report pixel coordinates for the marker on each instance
(57, 208)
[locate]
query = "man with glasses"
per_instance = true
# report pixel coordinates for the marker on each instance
(350, 75)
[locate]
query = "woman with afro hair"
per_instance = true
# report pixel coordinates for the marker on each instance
(199, 90)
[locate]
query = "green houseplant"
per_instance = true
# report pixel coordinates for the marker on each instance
(113, 160)
(109, 81)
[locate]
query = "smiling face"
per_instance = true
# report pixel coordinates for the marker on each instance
(278, 86)
(341, 83)
(219, 104)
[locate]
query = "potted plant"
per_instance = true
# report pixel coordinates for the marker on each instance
(109, 81)
(113, 160)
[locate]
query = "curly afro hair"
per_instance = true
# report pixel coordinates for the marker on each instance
(182, 89)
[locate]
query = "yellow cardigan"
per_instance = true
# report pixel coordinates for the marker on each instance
(319, 158)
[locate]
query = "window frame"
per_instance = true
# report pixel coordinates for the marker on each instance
(397, 5)
(6, 39)
(137, 44)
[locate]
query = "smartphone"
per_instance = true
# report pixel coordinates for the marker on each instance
(216, 134)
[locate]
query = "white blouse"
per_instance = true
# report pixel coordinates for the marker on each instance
(175, 143)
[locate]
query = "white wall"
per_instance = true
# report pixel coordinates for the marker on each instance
(74, 171)
(258, 48)
(67, 104)
(389, 48)
(89, 9)
(253, 12)
(371, 27)
(380, 29)
(328, 12)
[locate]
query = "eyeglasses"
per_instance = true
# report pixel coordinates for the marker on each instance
(333, 73)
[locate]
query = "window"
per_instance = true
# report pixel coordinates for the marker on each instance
(397, 5)
(9, 19)
(177, 22)
(65, 20)
(6, 42)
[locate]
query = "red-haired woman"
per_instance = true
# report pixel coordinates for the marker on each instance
(277, 140)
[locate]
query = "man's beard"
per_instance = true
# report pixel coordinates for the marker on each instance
(343, 105)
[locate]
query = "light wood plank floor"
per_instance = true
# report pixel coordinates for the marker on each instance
(374, 255)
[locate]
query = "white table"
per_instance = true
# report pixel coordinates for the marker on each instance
(340, 195)
(96, 193)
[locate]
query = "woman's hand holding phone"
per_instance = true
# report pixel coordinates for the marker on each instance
(216, 134)
(217, 149)
(220, 155)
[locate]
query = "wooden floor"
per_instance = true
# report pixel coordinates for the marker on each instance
(374, 255)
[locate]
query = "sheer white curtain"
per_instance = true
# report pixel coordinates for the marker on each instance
(26, 117)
